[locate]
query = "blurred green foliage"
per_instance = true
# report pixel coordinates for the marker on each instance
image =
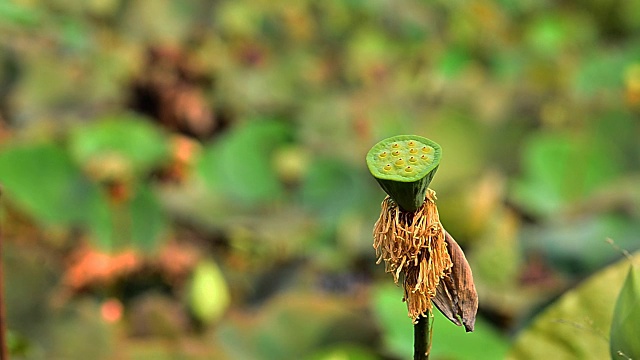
(208, 295)
(576, 325)
(625, 316)
(240, 166)
(223, 142)
(63, 189)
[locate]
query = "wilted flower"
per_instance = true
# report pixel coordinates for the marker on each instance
(409, 237)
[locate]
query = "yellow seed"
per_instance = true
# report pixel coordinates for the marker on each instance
(387, 167)
(399, 162)
(411, 143)
(413, 151)
(427, 149)
(424, 157)
(383, 155)
(408, 169)
(395, 145)
(395, 152)
(412, 159)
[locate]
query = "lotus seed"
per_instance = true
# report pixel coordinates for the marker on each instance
(395, 153)
(387, 167)
(412, 159)
(395, 145)
(399, 162)
(383, 154)
(408, 169)
(413, 150)
(411, 143)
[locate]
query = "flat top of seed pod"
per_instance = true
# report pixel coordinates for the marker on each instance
(404, 158)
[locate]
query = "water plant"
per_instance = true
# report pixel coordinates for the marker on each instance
(412, 242)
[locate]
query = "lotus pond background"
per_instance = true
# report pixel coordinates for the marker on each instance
(186, 179)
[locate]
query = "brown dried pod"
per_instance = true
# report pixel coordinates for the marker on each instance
(456, 295)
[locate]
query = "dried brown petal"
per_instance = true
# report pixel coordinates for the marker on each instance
(456, 296)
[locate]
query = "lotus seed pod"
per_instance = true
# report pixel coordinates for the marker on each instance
(406, 175)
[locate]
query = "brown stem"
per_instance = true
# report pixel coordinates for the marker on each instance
(422, 332)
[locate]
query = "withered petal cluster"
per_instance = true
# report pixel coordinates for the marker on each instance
(416, 248)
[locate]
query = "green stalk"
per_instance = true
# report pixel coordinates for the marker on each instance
(4, 352)
(422, 332)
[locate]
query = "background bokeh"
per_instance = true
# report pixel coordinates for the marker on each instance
(186, 179)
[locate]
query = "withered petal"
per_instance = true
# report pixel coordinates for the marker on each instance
(456, 296)
(445, 302)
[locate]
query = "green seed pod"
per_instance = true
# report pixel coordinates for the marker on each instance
(404, 165)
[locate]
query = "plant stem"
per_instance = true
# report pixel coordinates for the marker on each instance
(4, 353)
(422, 332)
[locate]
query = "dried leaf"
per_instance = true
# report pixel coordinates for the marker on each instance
(456, 295)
